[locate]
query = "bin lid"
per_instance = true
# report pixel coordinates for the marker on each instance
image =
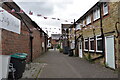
(24, 54)
(19, 55)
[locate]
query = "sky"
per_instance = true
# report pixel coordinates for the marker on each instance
(62, 9)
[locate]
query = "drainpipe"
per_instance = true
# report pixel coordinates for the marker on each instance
(31, 40)
(75, 39)
(117, 29)
(102, 33)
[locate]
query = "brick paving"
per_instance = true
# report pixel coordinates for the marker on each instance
(58, 65)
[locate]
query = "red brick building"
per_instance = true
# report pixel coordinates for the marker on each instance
(29, 40)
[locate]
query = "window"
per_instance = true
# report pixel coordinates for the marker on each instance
(78, 27)
(73, 44)
(84, 23)
(98, 44)
(92, 44)
(105, 8)
(86, 44)
(96, 14)
(88, 20)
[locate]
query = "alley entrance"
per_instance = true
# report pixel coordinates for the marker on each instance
(59, 65)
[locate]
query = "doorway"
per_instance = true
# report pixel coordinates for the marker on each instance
(80, 49)
(110, 55)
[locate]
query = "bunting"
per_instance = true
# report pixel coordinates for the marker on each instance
(31, 13)
(13, 10)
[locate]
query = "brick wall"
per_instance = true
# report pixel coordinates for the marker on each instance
(15, 43)
(20, 43)
(108, 24)
(37, 48)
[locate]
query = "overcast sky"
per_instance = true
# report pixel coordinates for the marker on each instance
(63, 9)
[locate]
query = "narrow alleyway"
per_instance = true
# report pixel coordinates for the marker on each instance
(58, 65)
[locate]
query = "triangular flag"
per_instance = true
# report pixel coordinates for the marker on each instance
(58, 19)
(1, 10)
(66, 21)
(13, 10)
(45, 17)
(53, 18)
(30, 13)
(21, 11)
(39, 15)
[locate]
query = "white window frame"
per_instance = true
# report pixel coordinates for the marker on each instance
(96, 43)
(96, 14)
(105, 8)
(88, 19)
(90, 44)
(84, 44)
(73, 44)
(83, 22)
(78, 27)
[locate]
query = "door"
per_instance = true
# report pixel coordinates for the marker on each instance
(110, 56)
(80, 49)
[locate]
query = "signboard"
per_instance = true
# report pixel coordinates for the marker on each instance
(9, 22)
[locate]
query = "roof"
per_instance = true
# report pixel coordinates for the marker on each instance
(87, 13)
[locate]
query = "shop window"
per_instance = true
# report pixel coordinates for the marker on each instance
(98, 44)
(92, 44)
(105, 8)
(86, 44)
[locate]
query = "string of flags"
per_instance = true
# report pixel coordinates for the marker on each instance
(92, 27)
(39, 15)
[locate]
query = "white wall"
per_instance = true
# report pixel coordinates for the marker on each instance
(4, 66)
(0, 42)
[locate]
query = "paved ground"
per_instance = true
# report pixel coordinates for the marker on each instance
(57, 65)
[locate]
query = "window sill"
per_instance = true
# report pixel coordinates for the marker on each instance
(85, 50)
(96, 20)
(99, 51)
(91, 51)
(88, 24)
(104, 15)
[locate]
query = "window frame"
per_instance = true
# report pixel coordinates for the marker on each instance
(105, 8)
(86, 40)
(91, 39)
(83, 22)
(96, 43)
(88, 19)
(96, 14)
